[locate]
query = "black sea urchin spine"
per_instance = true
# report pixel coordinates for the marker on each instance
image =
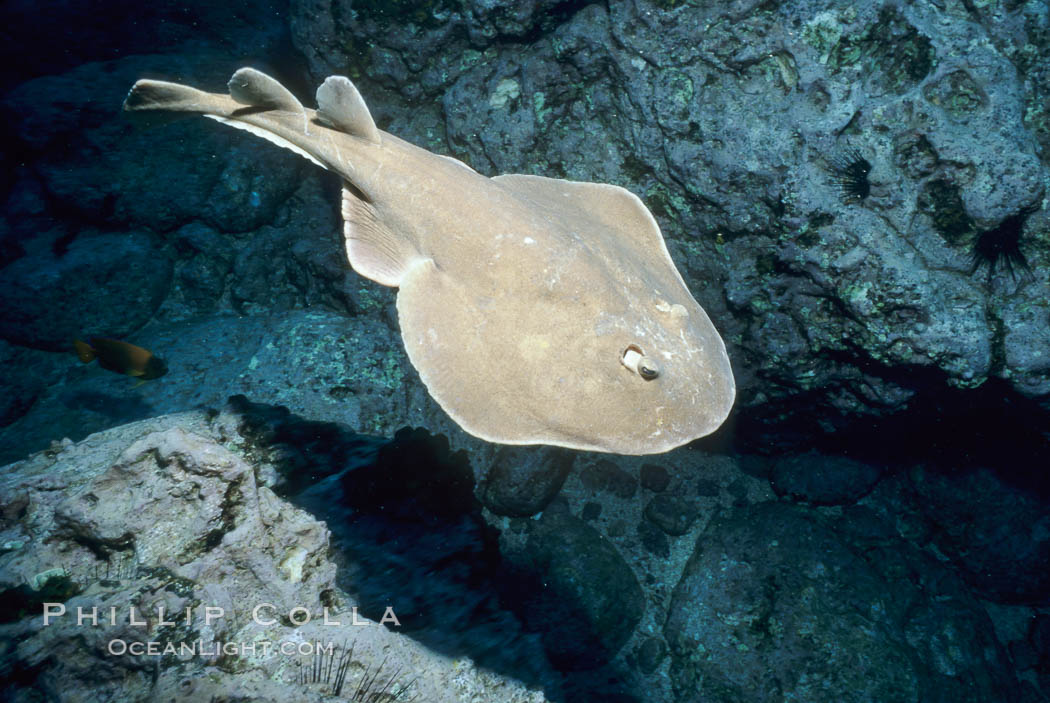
(1000, 247)
(329, 670)
(849, 172)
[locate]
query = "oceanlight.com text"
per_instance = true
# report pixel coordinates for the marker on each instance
(200, 648)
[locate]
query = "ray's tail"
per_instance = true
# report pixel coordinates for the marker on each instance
(258, 101)
(251, 91)
(262, 106)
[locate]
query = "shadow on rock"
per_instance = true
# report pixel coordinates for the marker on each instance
(409, 535)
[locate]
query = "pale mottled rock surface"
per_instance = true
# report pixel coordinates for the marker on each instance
(159, 514)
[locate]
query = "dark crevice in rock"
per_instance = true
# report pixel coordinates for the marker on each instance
(23, 600)
(230, 504)
(991, 426)
(552, 18)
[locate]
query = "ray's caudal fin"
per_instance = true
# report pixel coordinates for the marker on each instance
(536, 310)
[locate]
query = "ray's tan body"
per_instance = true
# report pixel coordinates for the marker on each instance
(518, 294)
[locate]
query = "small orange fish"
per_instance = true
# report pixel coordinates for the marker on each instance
(121, 357)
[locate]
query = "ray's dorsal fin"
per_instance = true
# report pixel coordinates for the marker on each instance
(341, 106)
(148, 95)
(251, 87)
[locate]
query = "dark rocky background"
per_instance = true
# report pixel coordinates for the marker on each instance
(855, 193)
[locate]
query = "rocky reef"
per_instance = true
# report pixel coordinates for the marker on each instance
(857, 194)
(152, 562)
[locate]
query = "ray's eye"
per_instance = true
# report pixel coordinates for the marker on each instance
(636, 360)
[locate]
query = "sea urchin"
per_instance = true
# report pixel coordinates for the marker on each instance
(849, 170)
(331, 673)
(1000, 246)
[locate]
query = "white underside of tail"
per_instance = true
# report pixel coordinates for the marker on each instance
(268, 136)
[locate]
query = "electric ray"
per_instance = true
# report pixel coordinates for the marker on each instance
(536, 310)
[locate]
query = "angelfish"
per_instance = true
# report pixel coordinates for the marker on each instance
(536, 310)
(121, 357)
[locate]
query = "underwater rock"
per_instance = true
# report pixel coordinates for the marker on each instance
(822, 479)
(590, 602)
(199, 284)
(1025, 341)
(672, 514)
(157, 517)
(18, 392)
(102, 284)
(771, 592)
(654, 478)
(172, 508)
(523, 480)
(650, 654)
(406, 528)
(410, 534)
(296, 454)
(414, 478)
(1038, 643)
(654, 540)
(407, 38)
(607, 476)
(998, 534)
(315, 363)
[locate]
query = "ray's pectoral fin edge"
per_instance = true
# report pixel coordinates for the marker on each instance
(374, 250)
